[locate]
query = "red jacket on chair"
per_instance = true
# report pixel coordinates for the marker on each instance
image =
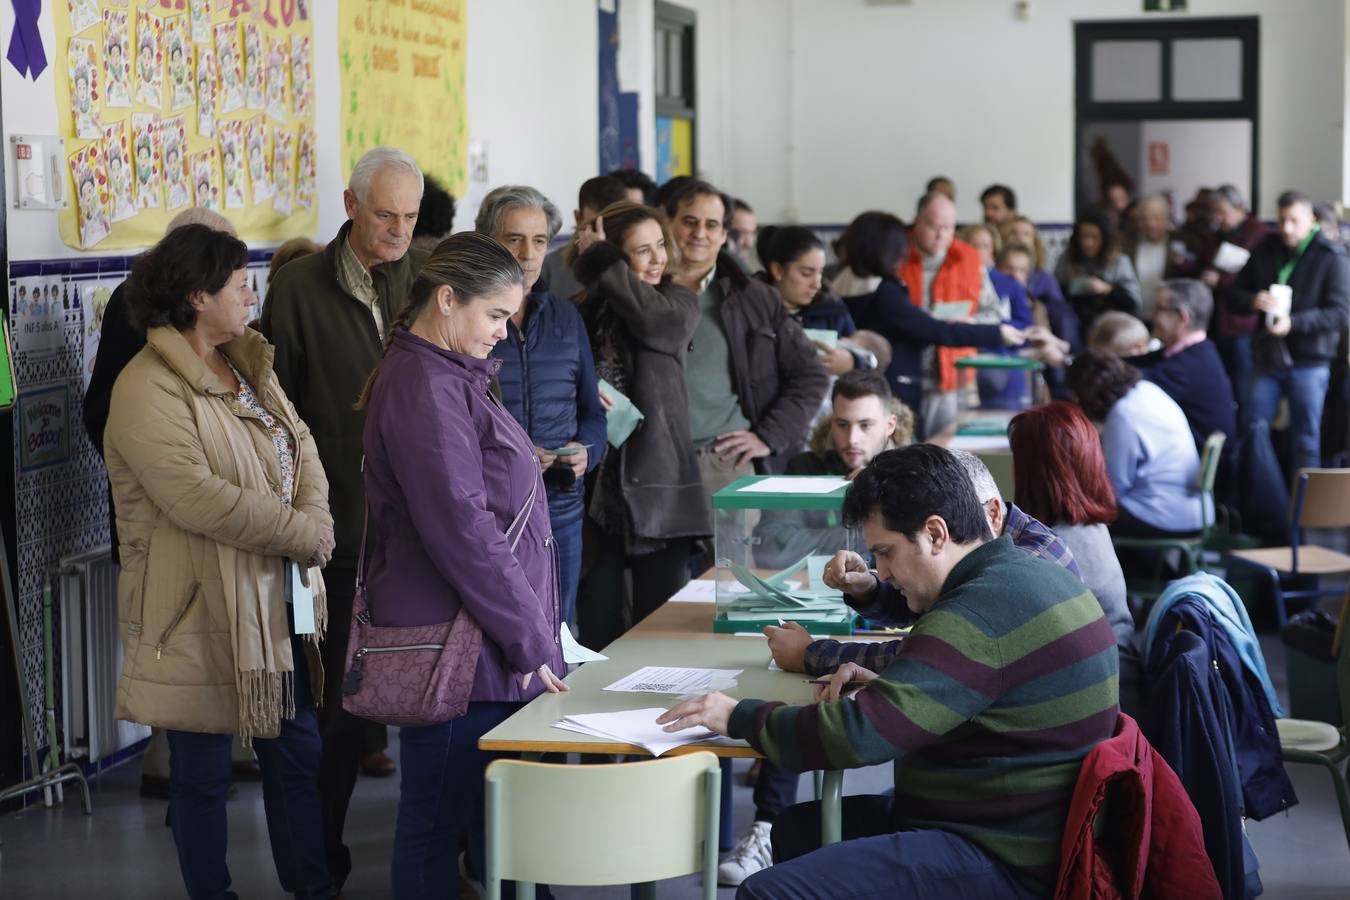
(1152, 845)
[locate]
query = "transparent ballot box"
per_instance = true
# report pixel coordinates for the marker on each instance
(772, 536)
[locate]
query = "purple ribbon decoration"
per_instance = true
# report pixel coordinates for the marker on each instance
(25, 44)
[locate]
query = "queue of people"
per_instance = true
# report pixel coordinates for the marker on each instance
(416, 433)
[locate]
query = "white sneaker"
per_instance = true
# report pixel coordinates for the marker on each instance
(754, 852)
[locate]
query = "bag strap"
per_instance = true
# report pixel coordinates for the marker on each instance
(521, 517)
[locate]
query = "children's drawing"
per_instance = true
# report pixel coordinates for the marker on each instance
(254, 90)
(206, 92)
(116, 58)
(149, 59)
(283, 144)
(277, 59)
(117, 162)
(231, 95)
(173, 141)
(180, 62)
(91, 193)
(259, 163)
(232, 162)
(145, 150)
(302, 84)
(82, 58)
(205, 181)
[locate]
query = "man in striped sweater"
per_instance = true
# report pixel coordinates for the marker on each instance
(1008, 679)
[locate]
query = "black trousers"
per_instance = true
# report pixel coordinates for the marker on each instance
(345, 737)
(602, 597)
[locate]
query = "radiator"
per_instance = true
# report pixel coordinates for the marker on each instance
(91, 659)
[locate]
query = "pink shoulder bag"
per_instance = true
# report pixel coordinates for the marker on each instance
(415, 674)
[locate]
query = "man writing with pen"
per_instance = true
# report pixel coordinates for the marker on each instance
(1008, 679)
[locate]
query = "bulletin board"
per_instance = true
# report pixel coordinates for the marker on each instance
(167, 104)
(402, 70)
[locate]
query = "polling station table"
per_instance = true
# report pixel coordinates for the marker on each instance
(676, 634)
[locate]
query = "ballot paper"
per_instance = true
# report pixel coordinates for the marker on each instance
(675, 680)
(621, 420)
(573, 651)
(638, 726)
(700, 590)
(810, 484)
(1231, 258)
(570, 450)
(826, 336)
(301, 599)
(951, 309)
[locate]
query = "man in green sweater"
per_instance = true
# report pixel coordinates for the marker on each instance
(328, 316)
(1007, 681)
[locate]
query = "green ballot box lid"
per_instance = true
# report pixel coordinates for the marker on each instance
(782, 492)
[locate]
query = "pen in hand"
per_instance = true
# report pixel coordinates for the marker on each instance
(847, 684)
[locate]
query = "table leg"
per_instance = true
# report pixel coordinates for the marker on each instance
(726, 836)
(831, 802)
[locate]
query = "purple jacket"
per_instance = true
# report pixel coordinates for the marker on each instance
(447, 470)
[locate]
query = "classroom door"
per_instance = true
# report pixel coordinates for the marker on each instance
(1166, 107)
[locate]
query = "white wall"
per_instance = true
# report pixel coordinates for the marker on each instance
(886, 96)
(532, 85)
(531, 89)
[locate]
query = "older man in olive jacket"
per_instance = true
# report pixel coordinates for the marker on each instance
(329, 315)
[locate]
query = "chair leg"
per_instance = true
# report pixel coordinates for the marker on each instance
(1342, 796)
(726, 833)
(1277, 596)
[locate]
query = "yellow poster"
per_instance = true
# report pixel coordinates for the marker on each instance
(169, 103)
(402, 64)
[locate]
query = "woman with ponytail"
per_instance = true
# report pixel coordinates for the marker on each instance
(448, 473)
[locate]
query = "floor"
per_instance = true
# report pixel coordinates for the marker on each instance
(124, 850)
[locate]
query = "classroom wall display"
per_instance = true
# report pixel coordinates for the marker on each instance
(402, 75)
(172, 99)
(44, 432)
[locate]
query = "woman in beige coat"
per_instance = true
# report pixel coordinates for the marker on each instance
(221, 504)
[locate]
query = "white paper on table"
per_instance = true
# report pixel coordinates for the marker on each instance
(573, 651)
(773, 665)
(675, 680)
(1231, 258)
(634, 726)
(700, 590)
(810, 484)
(977, 442)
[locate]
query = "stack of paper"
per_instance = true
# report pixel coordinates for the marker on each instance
(776, 596)
(675, 680)
(635, 726)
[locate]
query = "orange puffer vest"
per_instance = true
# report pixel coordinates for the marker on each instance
(960, 277)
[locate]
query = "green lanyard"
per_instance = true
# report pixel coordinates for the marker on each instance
(1288, 268)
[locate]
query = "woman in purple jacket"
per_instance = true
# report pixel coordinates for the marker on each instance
(447, 471)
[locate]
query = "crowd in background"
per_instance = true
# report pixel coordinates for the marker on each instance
(486, 364)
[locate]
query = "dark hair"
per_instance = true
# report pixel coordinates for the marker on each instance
(672, 187)
(698, 188)
(935, 181)
(785, 244)
(1001, 190)
(436, 214)
(909, 485)
(1059, 469)
(187, 260)
(739, 205)
(598, 192)
(473, 265)
(874, 244)
(1325, 214)
(1012, 248)
(1098, 378)
(635, 178)
(621, 218)
(1193, 296)
(861, 383)
(1290, 198)
(1110, 237)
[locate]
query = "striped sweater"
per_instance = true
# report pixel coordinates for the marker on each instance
(988, 711)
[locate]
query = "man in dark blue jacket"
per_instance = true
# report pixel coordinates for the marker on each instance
(547, 379)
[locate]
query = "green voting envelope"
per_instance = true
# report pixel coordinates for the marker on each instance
(623, 419)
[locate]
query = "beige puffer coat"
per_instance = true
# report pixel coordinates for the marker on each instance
(196, 484)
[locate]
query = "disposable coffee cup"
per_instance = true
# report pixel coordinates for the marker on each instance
(1283, 295)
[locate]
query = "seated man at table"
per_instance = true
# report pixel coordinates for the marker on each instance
(864, 419)
(863, 422)
(1006, 682)
(795, 650)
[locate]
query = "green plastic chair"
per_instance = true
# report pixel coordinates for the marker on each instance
(1321, 743)
(1191, 546)
(630, 823)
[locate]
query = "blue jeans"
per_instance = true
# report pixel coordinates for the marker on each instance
(874, 861)
(567, 538)
(199, 777)
(1305, 387)
(441, 800)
